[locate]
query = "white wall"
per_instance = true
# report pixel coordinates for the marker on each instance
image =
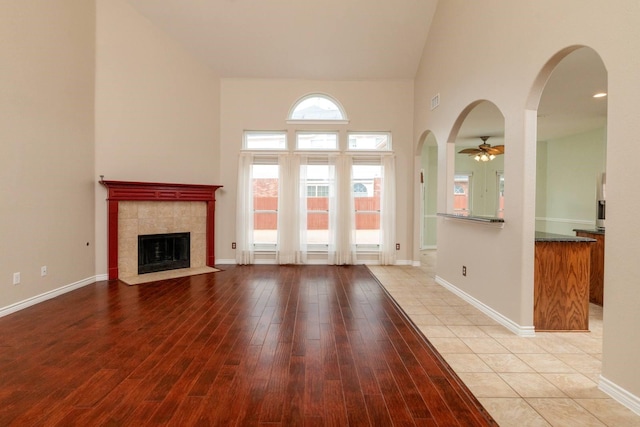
(264, 105)
(157, 110)
(495, 50)
(566, 192)
(46, 129)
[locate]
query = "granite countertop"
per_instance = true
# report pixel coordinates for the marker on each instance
(542, 236)
(592, 231)
(477, 218)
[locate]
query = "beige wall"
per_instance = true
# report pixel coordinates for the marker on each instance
(495, 50)
(264, 105)
(157, 109)
(46, 129)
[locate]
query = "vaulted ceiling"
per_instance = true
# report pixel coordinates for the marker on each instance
(354, 40)
(303, 39)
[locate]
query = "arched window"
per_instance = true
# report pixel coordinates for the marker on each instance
(317, 108)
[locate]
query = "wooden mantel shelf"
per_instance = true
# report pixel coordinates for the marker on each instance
(141, 191)
(119, 191)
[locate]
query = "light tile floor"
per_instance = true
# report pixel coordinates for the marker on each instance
(547, 380)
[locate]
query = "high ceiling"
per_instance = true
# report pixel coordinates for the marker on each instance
(328, 39)
(567, 105)
(357, 40)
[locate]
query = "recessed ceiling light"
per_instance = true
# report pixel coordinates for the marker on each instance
(600, 95)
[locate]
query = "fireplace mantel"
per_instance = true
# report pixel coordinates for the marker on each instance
(153, 191)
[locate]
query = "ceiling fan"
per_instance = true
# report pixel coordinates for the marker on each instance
(485, 152)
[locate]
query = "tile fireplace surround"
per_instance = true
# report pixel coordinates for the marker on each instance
(136, 208)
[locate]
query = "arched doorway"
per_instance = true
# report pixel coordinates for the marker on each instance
(571, 145)
(428, 192)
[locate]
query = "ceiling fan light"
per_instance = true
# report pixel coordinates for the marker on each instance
(484, 157)
(477, 158)
(492, 156)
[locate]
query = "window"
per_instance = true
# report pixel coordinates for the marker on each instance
(462, 194)
(293, 204)
(500, 190)
(367, 177)
(317, 191)
(360, 190)
(317, 107)
(265, 205)
(378, 141)
(319, 195)
(317, 175)
(265, 140)
(317, 141)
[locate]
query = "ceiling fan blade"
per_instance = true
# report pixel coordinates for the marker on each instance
(470, 151)
(496, 149)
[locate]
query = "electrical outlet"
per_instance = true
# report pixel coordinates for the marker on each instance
(397, 246)
(43, 270)
(16, 278)
(464, 270)
(233, 245)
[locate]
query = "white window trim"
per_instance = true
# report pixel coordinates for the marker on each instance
(316, 150)
(389, 149)
(345, 119)
(267, 149)
(469, 192)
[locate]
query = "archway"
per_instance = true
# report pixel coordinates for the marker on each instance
(571, 146)
(478, 176)
(428, 153)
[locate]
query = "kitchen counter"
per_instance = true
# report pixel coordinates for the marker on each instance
(543, 236)
(596, 281)
(590, 231)
(561, 282)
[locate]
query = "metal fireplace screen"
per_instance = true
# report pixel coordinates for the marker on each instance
(159, 252)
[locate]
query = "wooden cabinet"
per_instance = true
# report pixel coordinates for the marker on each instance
(561, 284)
(596, 280)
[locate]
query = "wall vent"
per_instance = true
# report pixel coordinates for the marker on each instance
(435, 101)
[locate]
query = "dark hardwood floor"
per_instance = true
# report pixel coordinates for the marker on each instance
(250, 345)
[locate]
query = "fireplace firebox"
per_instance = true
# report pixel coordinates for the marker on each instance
(160, 252)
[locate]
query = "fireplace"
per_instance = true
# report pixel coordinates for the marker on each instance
(123, 222)
(160, 252)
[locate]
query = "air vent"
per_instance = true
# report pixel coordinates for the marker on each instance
(435, 101)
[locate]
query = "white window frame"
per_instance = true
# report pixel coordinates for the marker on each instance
(499, 212)
(305, 132)
(248, 133)
(365, 161)
(389, 147)
(266, 160)
(329, 98)
(469, 209)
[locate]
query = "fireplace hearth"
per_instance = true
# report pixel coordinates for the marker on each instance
(160, 252)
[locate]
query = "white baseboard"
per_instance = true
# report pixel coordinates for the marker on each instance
(619, 394)
(101, 277)
(21, 305)
(523, 331)
(226, 261)
(317, 262)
